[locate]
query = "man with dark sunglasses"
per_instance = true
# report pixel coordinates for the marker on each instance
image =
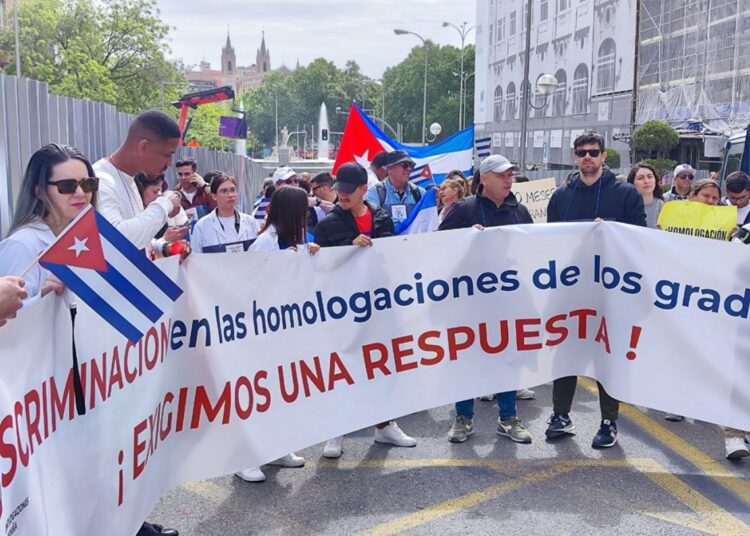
(591, 194)
(682, 181)
(396, 194)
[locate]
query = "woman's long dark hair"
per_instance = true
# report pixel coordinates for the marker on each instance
(288, 213)
(33, 202)
(658, 192)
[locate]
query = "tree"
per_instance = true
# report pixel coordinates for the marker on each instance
(110, 50)
(655, 138)
(613, 158)
(404, 91)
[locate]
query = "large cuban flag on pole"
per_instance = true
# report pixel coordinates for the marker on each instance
(363, 139)
(106, 271)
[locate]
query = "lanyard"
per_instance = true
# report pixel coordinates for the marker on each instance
(236, 221)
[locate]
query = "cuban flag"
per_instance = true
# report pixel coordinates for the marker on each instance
(363, 139)
(115, 279)
(482, 146)
(422, 176)
(424, 217)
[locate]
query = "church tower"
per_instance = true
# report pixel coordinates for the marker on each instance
(228, 60)
(263, 57)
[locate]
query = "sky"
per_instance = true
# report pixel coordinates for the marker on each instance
(338, 30)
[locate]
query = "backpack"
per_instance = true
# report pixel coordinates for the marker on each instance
(415, 191)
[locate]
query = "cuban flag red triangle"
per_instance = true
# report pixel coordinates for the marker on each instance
(79, 245)
(358, 144)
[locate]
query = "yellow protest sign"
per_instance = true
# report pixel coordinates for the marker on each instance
(697, 219)
(535, 195)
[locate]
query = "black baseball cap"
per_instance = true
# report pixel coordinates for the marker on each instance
(349, 177)
(380, 160)
(396, 157)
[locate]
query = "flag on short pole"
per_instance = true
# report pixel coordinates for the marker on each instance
(424, 217)
(422, 176)
(482, 147)
(106, 271)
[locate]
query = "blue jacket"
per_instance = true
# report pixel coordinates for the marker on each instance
(608, 199)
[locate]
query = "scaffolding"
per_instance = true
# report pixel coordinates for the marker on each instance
(692, 71)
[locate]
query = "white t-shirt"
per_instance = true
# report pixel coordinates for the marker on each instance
(230, 230)
(189, 195)
(742, 214)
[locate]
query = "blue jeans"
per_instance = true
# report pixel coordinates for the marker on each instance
(506, 403)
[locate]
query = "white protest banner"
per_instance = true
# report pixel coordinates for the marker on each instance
(252, 367)
(535, 195)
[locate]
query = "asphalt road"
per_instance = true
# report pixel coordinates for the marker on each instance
(661, 478)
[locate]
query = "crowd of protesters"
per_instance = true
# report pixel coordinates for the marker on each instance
(357, 206)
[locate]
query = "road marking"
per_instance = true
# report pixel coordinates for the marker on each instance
(460, 503)
(730, 480)
(713, 519)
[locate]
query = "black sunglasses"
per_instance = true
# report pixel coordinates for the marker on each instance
(580, 153)
(89, 185)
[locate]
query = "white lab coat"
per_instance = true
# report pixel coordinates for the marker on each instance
(267, 241)
(209, 232)
(120, 202)
(22, 248)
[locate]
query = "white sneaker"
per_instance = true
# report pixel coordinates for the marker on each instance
(334, 447)
(736, 448)
(525, 394)
(393, 435)
(487, 398)
(290, 460)
(254, 474)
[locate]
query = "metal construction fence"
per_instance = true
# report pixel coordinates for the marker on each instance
(30, 117)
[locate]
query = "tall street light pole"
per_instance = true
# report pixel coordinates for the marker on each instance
(463, 31)
(17, 38)
(424, 96)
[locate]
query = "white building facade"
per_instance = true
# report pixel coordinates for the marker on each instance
(588, 45)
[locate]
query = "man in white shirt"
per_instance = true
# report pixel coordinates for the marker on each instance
(738, 194)
(151, 142)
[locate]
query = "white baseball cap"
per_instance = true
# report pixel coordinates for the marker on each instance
(496, 163)
(683, 168)
(283, 174)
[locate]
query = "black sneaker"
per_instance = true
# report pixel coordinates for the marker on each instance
(606, 436)
(559, 425)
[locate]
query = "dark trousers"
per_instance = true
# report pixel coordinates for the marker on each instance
(563, 390)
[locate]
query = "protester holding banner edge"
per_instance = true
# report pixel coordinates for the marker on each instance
(591, 194)
(12, 295)
(286, 222)
(356, 221)
(225, 228)
(494, 205)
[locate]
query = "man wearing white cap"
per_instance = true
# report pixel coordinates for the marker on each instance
(494, 205)
(284, 176)
(682, 180)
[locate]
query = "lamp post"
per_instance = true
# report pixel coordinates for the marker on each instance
(466, 80)
(17, 38)
(463, 31)
(545, 84)
(424, 96)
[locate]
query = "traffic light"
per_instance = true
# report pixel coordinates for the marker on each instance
(324, 134)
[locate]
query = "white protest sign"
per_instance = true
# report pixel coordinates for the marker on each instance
(535, 195)
(252, 368)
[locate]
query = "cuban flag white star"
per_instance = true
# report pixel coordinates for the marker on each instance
(79, 246)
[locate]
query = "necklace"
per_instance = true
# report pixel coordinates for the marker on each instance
(128, 191)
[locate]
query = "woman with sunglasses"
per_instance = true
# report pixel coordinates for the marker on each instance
(58, 184)
(225, 229)
(644, 178)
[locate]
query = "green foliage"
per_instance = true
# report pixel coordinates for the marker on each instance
(300, 93)
(404, 85)
(205, 126)
(110, 50)
(661, 165)
(613, 158)
(655, 138)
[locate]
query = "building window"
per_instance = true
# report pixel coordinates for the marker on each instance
(561, 94)
(229, 66)
(501, 29)
(498, 108)
(605, 66)
(512, 28)
(562, 5)
(543, 10)
(581, 89)
(510, 101)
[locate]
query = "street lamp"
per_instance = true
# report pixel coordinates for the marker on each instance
(545, 85)
(424, 96)
(463, 31)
